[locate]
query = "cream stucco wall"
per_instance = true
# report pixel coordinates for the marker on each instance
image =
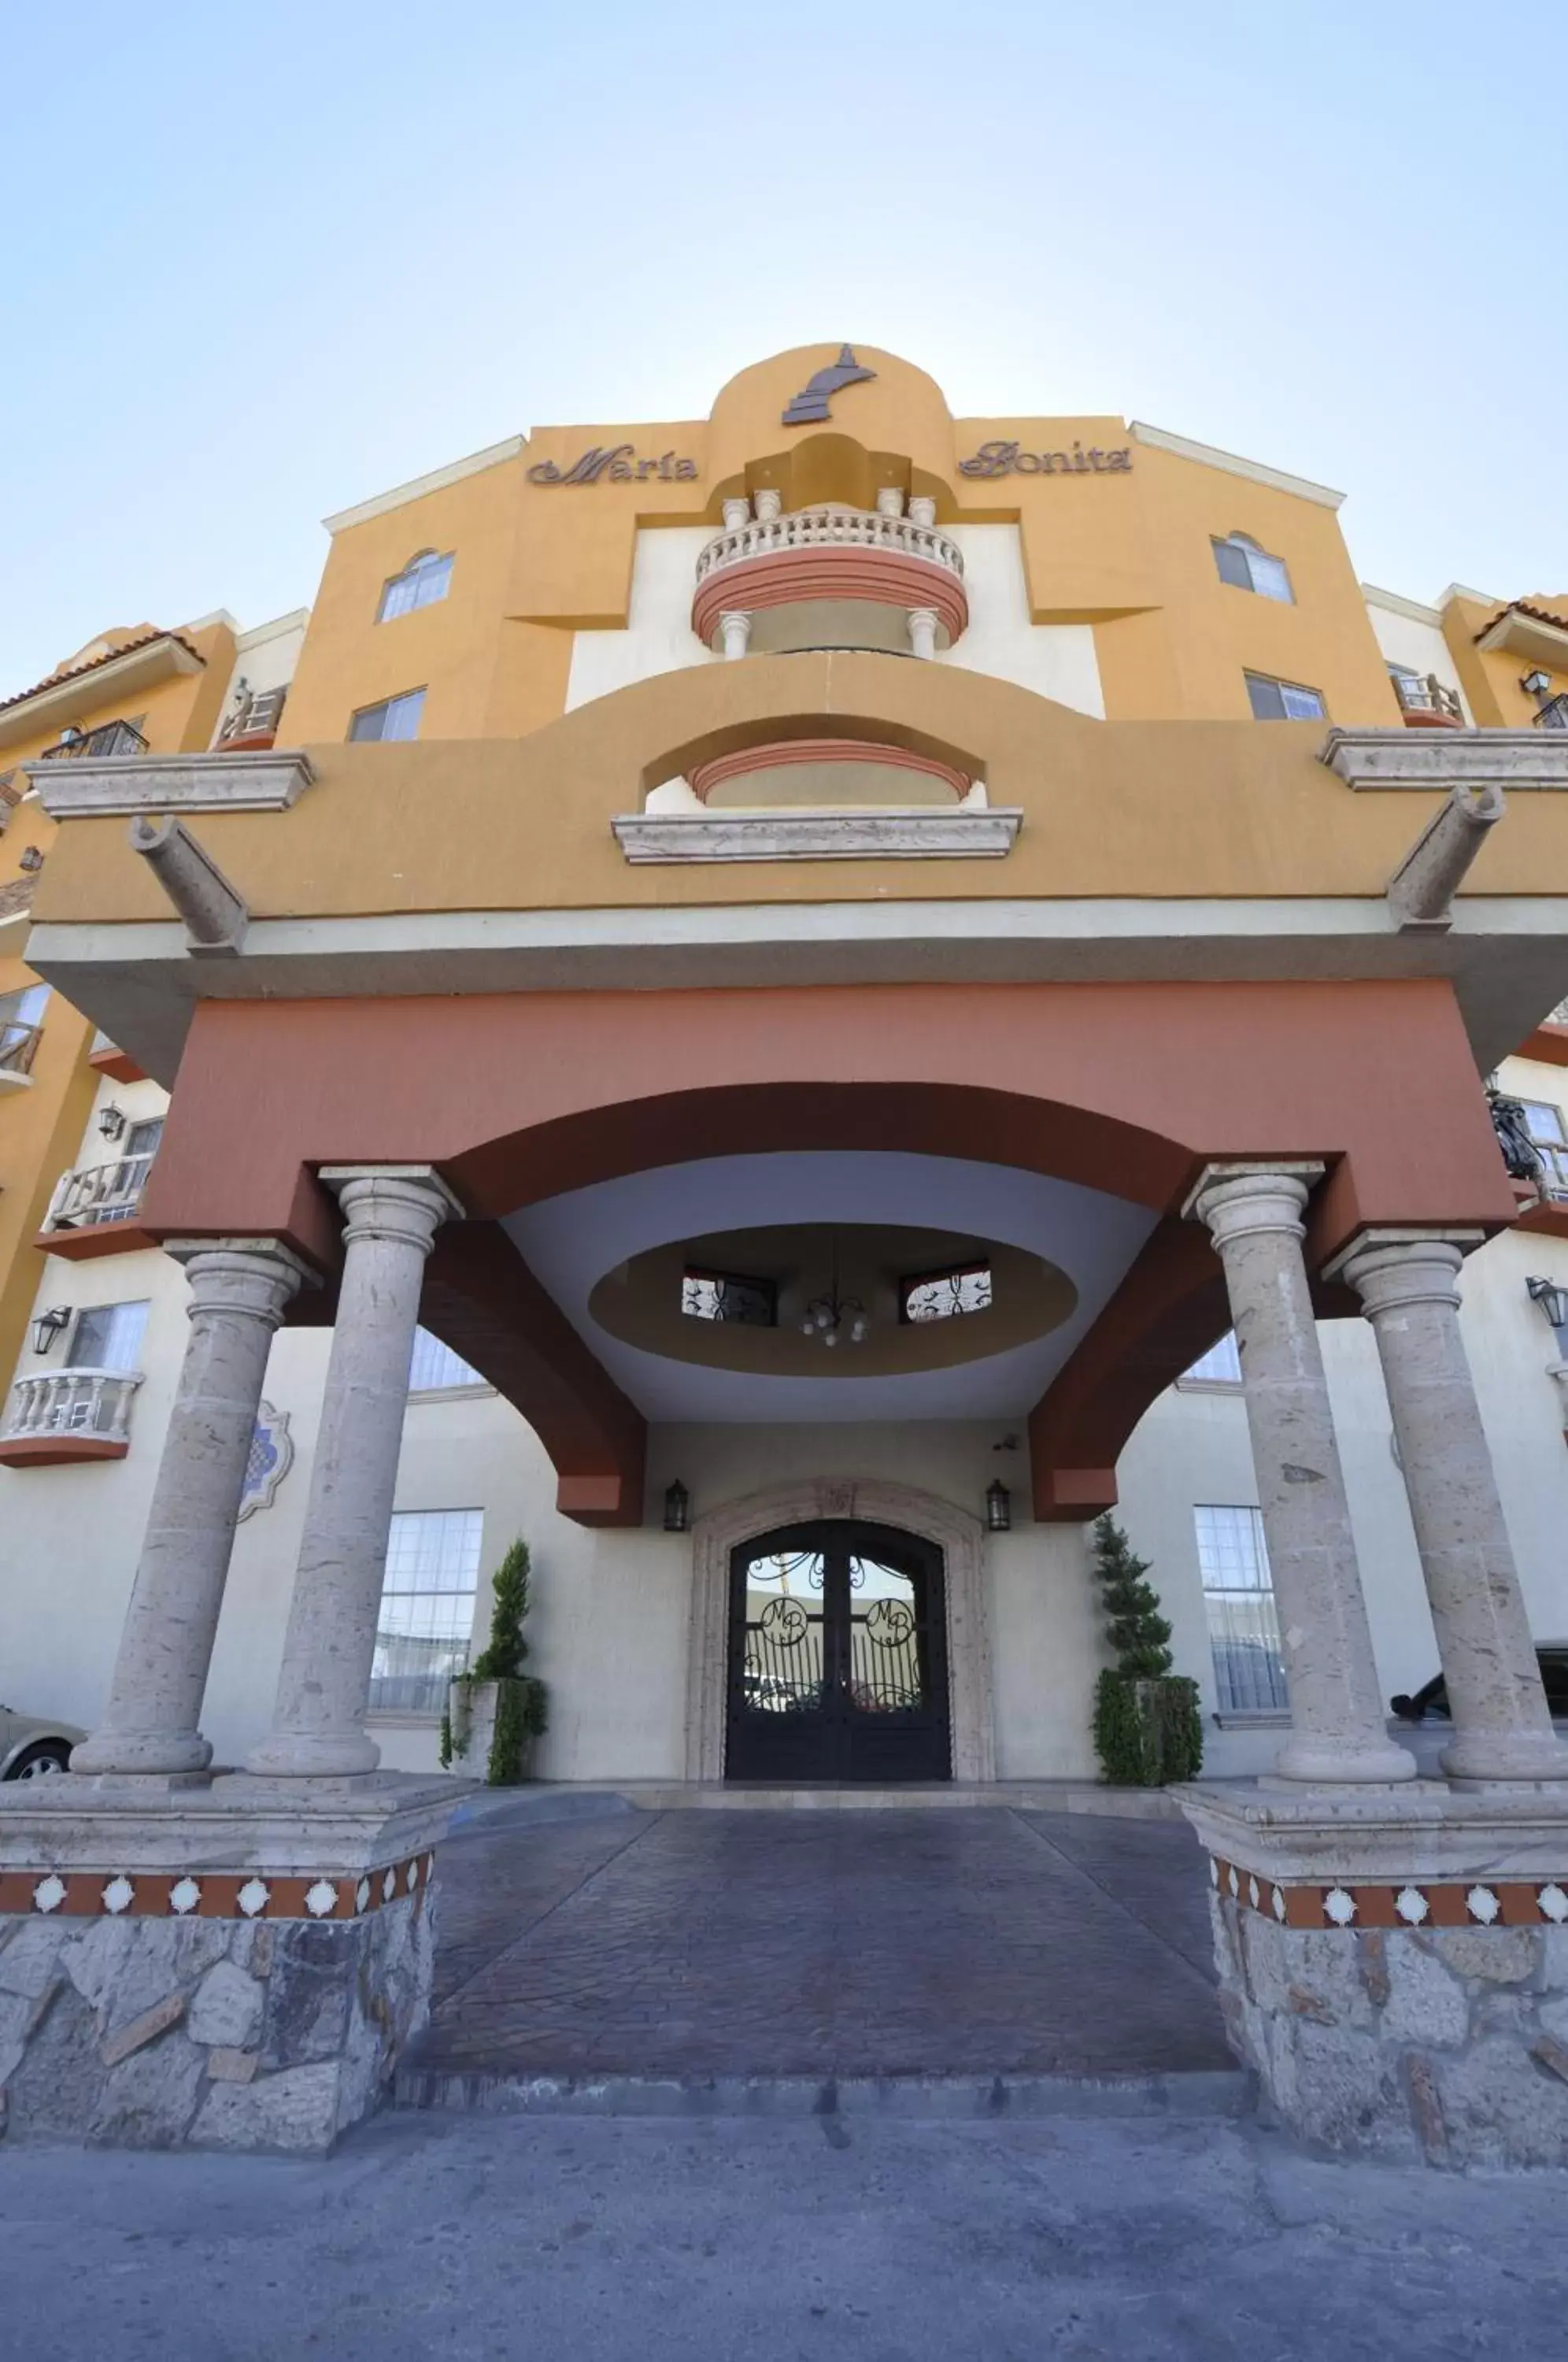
(658, 636)
(1411, 635)
(1056, 660)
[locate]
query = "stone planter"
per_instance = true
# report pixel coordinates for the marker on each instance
(470, 1712)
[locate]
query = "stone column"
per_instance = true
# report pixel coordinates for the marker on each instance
(923, 511)
(922, 631)
(734, 627)
(890, 501)
(736, 513)
(1409, 1286)
(392, 1214)
(767, 505)
(1253, 1215)
(240, 1288)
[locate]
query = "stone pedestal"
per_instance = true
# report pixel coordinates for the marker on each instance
(1395, 1967)
(230, 1969)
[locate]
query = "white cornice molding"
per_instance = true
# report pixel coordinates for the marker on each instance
(1463, 591)
(1255, 470)
(1393, 604)
(477, 463)
(782, 835)
(294, 621)
(1441, 760)
(131, 785)
(210, 622)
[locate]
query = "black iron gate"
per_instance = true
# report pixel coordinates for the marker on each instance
(838, 1657)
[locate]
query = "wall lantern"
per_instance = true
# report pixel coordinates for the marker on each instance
(998, 1508)
(111, 1121)
(1553, 1299)
(1535, 683)
(46, 1327)
(677, 1508)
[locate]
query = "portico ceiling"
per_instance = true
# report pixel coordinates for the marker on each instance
(570, 1241)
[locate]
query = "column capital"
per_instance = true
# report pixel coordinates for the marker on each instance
(239, 1275)
(407, 1202)
(1391, 1268)
(1236, 1200)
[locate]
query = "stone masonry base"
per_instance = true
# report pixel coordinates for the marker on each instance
(153, 2033)
(1450, 2045)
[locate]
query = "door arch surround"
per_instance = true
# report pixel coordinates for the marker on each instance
(956, 1534)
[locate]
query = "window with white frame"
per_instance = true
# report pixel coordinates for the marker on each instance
(1246, 566)
(435, 1366)
(395, 717)
(1238, 1596)
(427, 1609)
(1548, 1136)
(423, 580)
(1283, 700)
(107, 1336)
(1220, 1366)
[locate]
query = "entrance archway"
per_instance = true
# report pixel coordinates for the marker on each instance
(838, 1501)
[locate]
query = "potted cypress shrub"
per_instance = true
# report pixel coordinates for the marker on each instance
(495, 1711)
(1147, 1726)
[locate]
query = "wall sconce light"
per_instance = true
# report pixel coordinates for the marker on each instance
(48, 1326)
(998, 1508)
(1553, 1299)
(111, 1121)
(1535, 683)
(30, 859)
(677, 1508)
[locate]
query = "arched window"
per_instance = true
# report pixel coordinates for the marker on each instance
(1246, 567)
(423, 580)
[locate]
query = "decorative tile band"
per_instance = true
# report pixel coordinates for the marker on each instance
(1413, 1903)
(209, 1893)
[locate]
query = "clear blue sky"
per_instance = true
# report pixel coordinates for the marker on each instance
(261, 262)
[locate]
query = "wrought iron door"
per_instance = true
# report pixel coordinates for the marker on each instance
(838, 1660)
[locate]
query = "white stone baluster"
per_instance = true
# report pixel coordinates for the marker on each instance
(734, 628)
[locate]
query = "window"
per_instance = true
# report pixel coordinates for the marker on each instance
(1220, 1366)
(1247, 568)
(1237, 1593)
(434, 1366)
(1544, 1123)
(395, 717)
(107, 1337)
(422, 580)
(427, 1609)
(21, 1013)
(1283, 700)
(943, 1294)
(726, 1296)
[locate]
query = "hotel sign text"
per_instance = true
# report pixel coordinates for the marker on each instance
(1007, 460)
(615, 464)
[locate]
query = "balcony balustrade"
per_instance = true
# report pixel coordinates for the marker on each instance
(18, 1044)
(108, 738)
(99, 1192)
(1427, 702)
(1553, 714)
(254, 721)
(59, 1415)
(829, 576)
(829, 528)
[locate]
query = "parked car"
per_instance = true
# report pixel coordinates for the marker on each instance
(32, 1748)
(1430, 1706)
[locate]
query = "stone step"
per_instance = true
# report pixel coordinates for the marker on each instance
(1215, 2092)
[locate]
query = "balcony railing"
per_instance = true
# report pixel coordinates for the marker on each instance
(99, 1192)
(109, 738)
(255, 717)
(17, 1045)
(1553, 714)
(829, 528)
(95, 1403)
(1427, 699)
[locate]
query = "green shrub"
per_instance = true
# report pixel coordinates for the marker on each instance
(1147, 1725)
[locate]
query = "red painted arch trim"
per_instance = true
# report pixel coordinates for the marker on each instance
(786, 578)
(780, 754)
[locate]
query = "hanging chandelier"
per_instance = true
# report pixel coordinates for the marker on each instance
(833, 1315)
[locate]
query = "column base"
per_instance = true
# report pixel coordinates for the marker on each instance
(1479, 1759)
(142, 1752)
(304, 1755)
(1395, 1967)
(153, 2000)
(1320, 1764)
